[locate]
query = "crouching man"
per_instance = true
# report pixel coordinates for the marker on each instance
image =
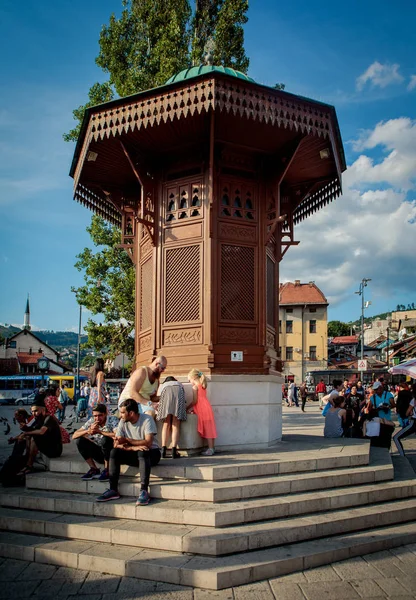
(45, 435)
(135, 445)
(95, 440)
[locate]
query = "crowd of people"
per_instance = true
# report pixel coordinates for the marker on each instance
(125, 438)
(358, 410)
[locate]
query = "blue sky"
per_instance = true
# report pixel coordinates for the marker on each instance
(360, 57)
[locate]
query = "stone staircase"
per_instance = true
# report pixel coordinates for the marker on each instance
(217, 522)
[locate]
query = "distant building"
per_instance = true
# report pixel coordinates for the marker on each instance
(24, 349)
(303, 329)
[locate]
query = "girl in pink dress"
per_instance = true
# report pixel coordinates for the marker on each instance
(200, 406)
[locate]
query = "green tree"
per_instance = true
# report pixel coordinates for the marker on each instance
(99, 93)
(148, 44)
(336, 328)
(109, 290)
(229, 35)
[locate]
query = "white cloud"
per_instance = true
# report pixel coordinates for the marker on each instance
(379, 75)
(397, 137)
(412, 83)
(371, 230)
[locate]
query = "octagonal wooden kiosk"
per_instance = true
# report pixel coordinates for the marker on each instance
(206, 176)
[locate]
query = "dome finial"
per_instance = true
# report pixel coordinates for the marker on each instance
(209, 49)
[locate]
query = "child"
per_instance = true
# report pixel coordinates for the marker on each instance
(201, 407)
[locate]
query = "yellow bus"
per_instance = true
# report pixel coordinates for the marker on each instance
(68, 380)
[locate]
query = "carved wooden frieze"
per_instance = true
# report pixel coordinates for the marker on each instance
(146, 247)
(145, 343)
(237, 334)
(182, 337)
(270, 339)
(186, 232)
(238, 233)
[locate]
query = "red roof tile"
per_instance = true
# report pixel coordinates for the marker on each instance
(300, 293)
(25, 358)
(345, 339)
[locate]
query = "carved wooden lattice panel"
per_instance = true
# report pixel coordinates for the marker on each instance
(238, 201)
(183, 201)
(146, 283)
(237, 283)
(270, 292)
(183, 287)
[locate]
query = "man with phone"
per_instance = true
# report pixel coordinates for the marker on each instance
(95, 440)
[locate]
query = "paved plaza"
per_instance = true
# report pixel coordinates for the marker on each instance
(387, 574)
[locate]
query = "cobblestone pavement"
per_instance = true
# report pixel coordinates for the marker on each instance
(388, 574)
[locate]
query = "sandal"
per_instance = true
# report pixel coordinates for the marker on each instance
(26, 471)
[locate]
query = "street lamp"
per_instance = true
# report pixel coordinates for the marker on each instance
(360, 292)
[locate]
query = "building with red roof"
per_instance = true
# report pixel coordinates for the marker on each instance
(303, 328)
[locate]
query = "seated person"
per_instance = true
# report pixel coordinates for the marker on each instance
(135, 445)
(95, 441)
(25, 422)
(45, 437)
(335, 418)
(378, 429)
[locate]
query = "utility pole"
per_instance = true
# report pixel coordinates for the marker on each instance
(78, 350)
(360, 292)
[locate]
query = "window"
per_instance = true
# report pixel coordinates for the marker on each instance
(312, 326)
(289, 326)
(289, 353)
(312, 352)
(280, 351)
(312, 310)
(280, 326)
(289, 310)
(12, 344)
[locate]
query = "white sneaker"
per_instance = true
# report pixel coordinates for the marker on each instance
(208, 452)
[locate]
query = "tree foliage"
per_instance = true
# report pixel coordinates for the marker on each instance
(337, 328)
(147, 45)
(99, 93)
(109, 290)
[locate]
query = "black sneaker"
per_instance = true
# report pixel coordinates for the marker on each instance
(91, 474)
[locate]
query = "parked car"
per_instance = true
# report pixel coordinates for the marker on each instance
(28, 400)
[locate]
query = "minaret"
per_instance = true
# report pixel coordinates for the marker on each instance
(26, 324)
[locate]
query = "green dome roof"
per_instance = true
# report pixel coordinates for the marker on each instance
(203, 70)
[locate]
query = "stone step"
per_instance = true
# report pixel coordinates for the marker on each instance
(203, 572)
(380, 469)
(205, 540)
(340, 454)
(211, 514)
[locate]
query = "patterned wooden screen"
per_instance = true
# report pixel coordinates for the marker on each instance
(183, 201)
(270, 292)
(237, 283)
(238, 201)
(182, 300)
(146, 285)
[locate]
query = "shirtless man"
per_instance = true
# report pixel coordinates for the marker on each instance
(142, 385)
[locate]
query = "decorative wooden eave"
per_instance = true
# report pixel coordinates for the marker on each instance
(216, 92)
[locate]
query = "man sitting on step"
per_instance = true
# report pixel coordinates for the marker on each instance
(45, 435)
(135, 445)
(95, 440)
